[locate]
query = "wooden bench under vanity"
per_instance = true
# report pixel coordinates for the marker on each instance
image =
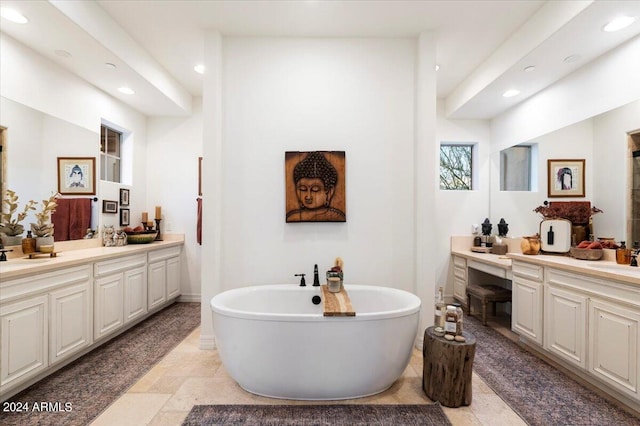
(570, 311)
(65, 306)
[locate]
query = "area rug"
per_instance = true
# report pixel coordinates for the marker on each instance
(308, 415)
(538, 392)
(80, 391)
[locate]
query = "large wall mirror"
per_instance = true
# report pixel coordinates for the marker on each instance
(31, 143)
(607, 143)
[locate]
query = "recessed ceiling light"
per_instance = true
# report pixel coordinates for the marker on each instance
(199, 68)
(126, 90)
(529, 68)
(110, 65)
(571, 58)
(511, 93)
(13, 15)
(619, 23)
(62, 53)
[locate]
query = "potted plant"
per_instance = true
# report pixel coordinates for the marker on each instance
(43, 229)
(10, 227)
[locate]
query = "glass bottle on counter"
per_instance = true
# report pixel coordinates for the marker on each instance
(460, 313)
(440, 309)
(623, 254)
(451, 321)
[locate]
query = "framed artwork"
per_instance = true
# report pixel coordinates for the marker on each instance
(565, 178)
(109, 206)
(200, 176)
(315, 186)
(124, 217)
(124, 197)
(76, 175)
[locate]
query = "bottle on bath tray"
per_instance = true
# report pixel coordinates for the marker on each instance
(440, 309)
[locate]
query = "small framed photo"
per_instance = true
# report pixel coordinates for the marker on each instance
(565, 178)
(124, 217)
(124, 197)
(76, 175)
(109, 206)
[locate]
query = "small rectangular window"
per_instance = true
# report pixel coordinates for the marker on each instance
(515, 168)
(456, 166)
(110, 148)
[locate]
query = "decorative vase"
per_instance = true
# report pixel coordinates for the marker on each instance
(530, 245)
(43, 241)
(12, 240)
(581, 233)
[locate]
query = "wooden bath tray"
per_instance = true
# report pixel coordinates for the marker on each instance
(336, 304)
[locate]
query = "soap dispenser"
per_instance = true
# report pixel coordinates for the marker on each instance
(623, 254)
(28, 244)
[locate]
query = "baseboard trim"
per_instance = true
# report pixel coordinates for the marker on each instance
(207, 342)
(194, 297)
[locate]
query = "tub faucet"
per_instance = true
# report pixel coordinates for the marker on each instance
(316, 279)
(302, 281)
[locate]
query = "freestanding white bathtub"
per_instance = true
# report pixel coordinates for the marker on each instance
(274, 341)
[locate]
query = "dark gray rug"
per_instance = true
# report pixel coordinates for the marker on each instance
(348, 414)
(80, 391)
(538, 392)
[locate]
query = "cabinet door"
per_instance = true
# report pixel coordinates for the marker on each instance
(526, 318)
(157, 292)
(565, 324)
(24, 331)
(135, 293)
(108, 305)
(173, 277)
(614, 355)
(460, 279)
(70, 328)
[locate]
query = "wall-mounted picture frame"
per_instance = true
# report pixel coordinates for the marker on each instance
(109, 206)
(124, 217)
(76, 175)
(124, 197)
(315, 186)
(565, 178)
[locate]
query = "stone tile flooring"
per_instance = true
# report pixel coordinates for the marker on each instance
(188, 376)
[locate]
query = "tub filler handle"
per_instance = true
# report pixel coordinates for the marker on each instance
(302, 281)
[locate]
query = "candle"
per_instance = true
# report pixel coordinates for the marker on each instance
(150, 224)
(158, 212)
(145, 217)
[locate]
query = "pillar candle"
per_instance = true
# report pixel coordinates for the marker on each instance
(145, 217)
(158, 212)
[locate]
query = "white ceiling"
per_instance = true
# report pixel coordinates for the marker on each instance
(482, 46)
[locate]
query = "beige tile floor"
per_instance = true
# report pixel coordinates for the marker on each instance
(188, 376)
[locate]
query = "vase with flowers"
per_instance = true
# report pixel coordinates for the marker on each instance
(11, 228)
(579, 213)
(43, 229)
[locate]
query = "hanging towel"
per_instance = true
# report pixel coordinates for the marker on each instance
(199, 222)
(71, 218)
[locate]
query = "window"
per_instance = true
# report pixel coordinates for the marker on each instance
(110, 153)
(516, 173)
(456, 166)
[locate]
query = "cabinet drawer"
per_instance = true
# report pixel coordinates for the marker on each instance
(527, 270)
(460, 273)
(119, 264)
(162, 254)
(41, 283)
(489, 269)
(459, 261)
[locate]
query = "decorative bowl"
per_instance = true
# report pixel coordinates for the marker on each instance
(586, 254)
(142, 237)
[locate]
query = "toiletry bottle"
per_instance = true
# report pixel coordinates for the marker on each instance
(440, 311)
(460, 318)
(28, 244)
(451, 321)
(623, 254)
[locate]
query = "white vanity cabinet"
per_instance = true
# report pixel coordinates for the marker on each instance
(119, 292)
(460, 279)
(45, 318)
(527, 300)
(164, 276)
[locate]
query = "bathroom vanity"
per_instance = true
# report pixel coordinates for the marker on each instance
(582, 315)
(55, 309)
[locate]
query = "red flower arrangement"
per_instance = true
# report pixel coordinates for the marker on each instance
(578, 212)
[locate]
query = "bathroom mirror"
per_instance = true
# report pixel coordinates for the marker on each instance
(31, 143)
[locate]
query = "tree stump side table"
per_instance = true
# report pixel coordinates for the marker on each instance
(447, 368)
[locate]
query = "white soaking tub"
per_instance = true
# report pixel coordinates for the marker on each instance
(274, 341)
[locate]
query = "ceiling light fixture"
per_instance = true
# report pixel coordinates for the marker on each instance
(199, 68)
(529, 68)
(571, 58)
(62, 53)
(13, 15)
(619, 23)
(110, 65)
(511, 93)
(126, 90)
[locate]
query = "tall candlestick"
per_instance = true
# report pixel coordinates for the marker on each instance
(145, 217)
(158, 212)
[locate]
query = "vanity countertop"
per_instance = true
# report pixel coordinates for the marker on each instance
(19, 267)
(501, 261)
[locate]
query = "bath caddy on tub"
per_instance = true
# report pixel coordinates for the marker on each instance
(336, 304)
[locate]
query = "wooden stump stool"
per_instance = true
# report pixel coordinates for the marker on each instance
(447, 368)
